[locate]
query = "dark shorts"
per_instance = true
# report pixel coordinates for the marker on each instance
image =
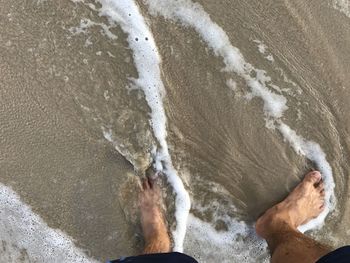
(340, 255)
(173, 257)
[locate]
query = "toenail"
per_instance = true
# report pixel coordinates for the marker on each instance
(316, 175)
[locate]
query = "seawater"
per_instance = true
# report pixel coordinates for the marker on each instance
(229, 105)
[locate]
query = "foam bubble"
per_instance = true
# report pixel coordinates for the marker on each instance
(26, 236)
(263, 50)
(343, 6)
(232, 84)
(107, 134)
(147, 61)
(86, 23)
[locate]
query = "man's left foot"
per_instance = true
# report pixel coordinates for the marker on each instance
(153, 224)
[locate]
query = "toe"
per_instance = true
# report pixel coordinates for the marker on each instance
(151, 182)
(320, 188)
(322, 207)
(321, 200)
(322, 192)
(145, 184)
(320, 185)
(313, 177)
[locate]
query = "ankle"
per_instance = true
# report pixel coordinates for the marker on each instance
(274, 221)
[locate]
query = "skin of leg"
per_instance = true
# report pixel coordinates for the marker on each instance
(288, 245)
(278, 226)
(153, 224)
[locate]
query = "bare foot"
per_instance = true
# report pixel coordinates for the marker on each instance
(153, 225)
(304, 203)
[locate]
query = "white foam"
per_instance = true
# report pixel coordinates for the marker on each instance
(27, 237)
(107, 135)
(86, 23)
(263, 50)
(193, 14)
(147, 61)
(231, 84)
(238, 243)
(261, 46)
(313, 152)
(343, 6)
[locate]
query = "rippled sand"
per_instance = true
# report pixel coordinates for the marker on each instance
(79, 126)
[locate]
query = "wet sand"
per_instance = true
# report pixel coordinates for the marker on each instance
(54, 156)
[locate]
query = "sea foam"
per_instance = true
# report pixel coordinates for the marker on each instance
(263, 50)
(343, 6)
(27, 237)
(86, 23)
(313, 152)
(147, 62)
(236, 244)
(193, 15)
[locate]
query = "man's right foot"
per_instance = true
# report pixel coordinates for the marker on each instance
(304, 203)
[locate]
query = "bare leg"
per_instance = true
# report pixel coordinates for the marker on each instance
(153, 225)
(278, 226)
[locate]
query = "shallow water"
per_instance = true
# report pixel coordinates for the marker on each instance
(233, 101)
